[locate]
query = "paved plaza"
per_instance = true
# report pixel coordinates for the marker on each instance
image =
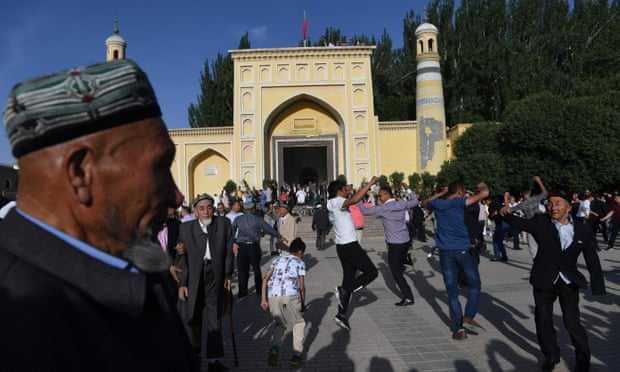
(417, 338)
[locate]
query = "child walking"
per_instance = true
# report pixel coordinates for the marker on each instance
(284, 294)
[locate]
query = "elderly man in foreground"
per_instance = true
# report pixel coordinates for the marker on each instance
(83, 286)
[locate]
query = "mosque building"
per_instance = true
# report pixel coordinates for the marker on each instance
(306, 114)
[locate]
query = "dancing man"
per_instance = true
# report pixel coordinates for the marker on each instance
(352, 256)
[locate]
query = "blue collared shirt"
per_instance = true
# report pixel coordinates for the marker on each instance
(85, 248)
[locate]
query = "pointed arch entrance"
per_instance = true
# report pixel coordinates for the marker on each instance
(207, 172)
(304, 141)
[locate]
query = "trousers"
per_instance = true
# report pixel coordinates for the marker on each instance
(249, 255)
(613, 234)
(396, 258)
(452, 261)
(206, 325)
(499, 250)
(321, 235)
(286, 312)
(353, 258)
(568, 294)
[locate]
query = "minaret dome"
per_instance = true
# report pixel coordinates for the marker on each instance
(115, 45)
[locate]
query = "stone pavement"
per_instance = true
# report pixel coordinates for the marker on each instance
(386, 338)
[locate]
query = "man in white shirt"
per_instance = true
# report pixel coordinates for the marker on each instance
(235, 211)
(301, 196)
(584, 208)
(352, 256)
(268, 194)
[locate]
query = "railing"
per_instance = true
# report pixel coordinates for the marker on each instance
(391, 125)
(208, 131)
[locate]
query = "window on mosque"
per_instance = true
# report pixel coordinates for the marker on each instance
(421, 46)
(115, 54)
(430, 45)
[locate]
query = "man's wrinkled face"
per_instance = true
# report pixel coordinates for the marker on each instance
(558, 208)
(204, 210)
(236, 207)
(134, 185)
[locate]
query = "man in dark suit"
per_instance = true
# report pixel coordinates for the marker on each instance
(555, 276)
(83, 287)
(206, 269)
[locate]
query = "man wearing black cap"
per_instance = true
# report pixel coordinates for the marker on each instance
(83, 286)
(206, 270)
(555, 276)
(248, 229)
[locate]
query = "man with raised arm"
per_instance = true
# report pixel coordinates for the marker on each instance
(352, 257)
(453, 241)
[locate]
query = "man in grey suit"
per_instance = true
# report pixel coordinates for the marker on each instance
(206, 268)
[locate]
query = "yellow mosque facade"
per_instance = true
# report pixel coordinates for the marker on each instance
(307, 115)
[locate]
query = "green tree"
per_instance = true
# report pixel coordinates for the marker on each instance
(230, 186)
(214, 105)
(396, 179)
(331, 35)
(382, 181)
(414, 182)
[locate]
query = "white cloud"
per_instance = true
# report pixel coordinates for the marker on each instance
(258, 33)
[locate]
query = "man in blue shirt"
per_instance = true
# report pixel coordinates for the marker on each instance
(453, 241)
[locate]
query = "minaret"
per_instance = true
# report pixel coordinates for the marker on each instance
(430, 111)
(115, 45)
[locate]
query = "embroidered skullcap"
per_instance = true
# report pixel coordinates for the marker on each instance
(56, 108)
(283, 205)
(202, 197)
(561, 194)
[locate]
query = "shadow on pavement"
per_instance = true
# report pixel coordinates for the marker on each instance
(430, 294)
(464, 366)
(335, 352)
(314, 315)
(378, 364)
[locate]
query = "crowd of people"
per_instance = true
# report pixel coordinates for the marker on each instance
(101, 270)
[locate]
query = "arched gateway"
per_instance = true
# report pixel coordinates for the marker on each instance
(304, 141)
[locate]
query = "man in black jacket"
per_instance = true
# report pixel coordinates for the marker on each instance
(83, 287)
(555, 276)
(321, 225)
(206, 270)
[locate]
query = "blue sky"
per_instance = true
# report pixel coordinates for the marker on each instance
(169, 39)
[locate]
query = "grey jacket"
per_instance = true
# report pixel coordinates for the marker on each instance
(249, 228)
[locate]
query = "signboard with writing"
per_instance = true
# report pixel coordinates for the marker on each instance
(211, 171)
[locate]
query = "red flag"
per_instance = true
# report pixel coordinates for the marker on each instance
(304, 28)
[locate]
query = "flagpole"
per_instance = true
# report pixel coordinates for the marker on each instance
(305, 29)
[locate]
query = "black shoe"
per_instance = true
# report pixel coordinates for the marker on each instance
(549, 364)
(274, 253)
(342, 321)
(296, 362)
(495, 259)
(408, 259)
(217, 367)
(459, 335)
(405, 302)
